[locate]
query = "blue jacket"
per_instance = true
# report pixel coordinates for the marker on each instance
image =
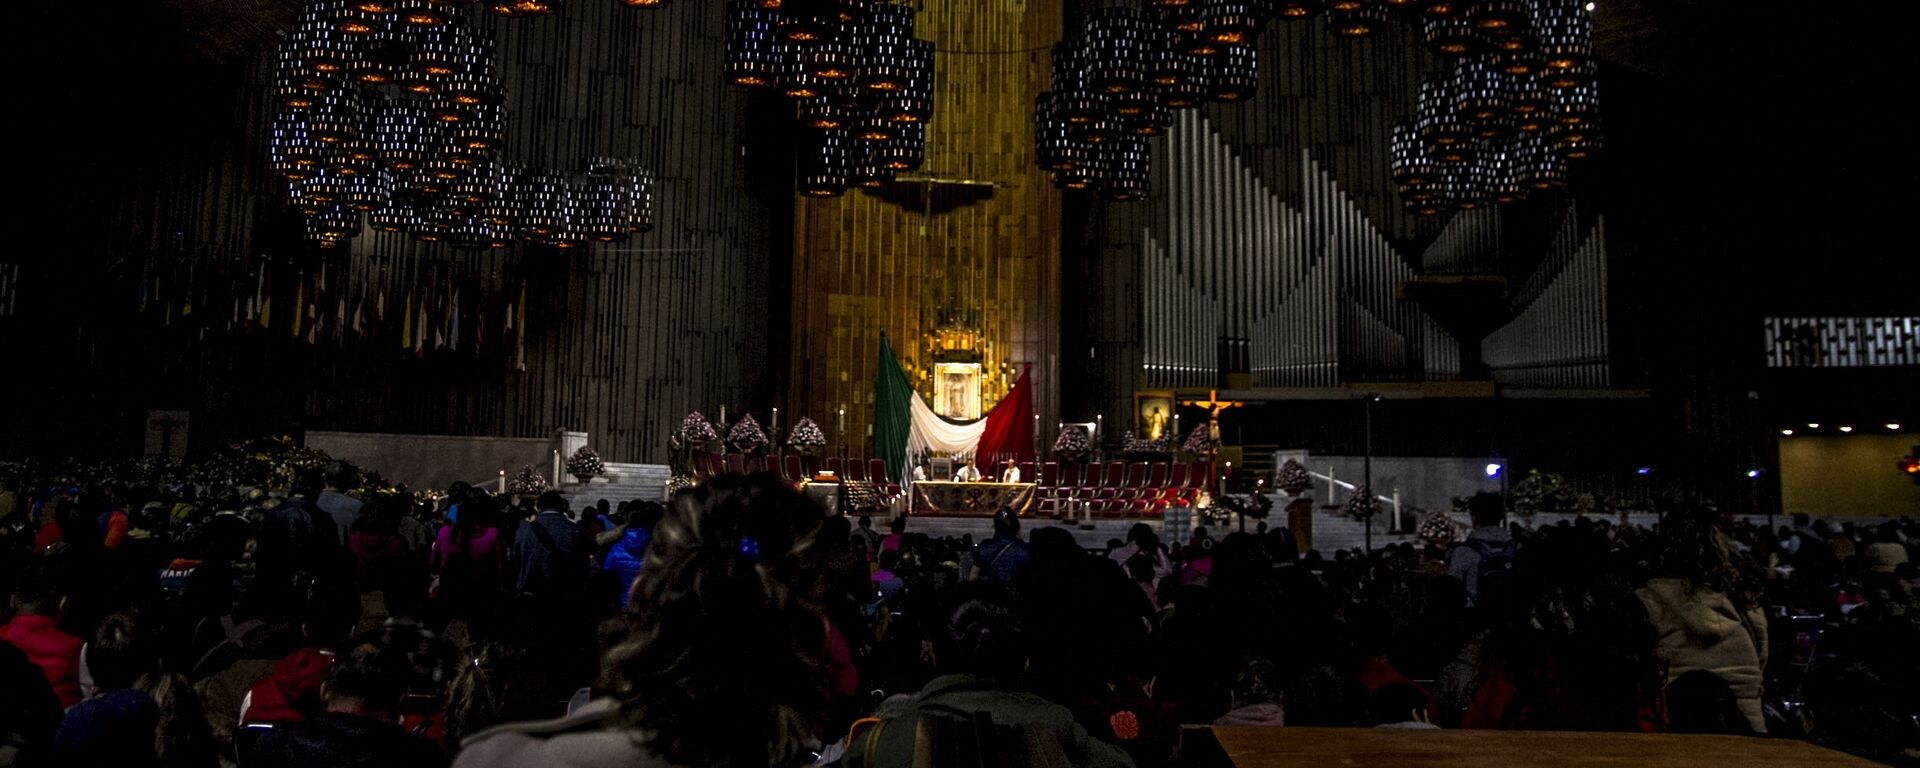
(553, 554)
(625, 558)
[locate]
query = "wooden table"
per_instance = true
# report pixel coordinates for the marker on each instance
(939, 497)
(1356, 747)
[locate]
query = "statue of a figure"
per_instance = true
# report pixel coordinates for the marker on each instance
(1156, 424)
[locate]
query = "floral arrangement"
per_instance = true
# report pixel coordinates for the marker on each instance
(1135, 444)
(747, 436)
(527, 481)
(1438, 528)
(1542, 492)
(585, 463)
(1294, 478)
(806, 434)
(1200, 441)
(696, 427)
(1361, 505)
(1072, 445)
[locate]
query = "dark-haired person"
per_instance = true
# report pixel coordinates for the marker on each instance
(343, 508)
(35, 630)
(724, 663)
(1488, 548)
(116, 726)
(1141, 540)
(360, 726)
(1704, 620)
(998, 558)
(979, 648)
(552, 551)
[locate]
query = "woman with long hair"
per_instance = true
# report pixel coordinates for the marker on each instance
(1705, 616)
(722, 666)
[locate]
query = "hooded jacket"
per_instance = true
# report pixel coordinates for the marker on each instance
(1700, 629)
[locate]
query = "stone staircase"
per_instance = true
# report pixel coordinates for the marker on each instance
(622, 482)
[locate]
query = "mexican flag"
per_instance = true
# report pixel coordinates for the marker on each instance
(903, 424)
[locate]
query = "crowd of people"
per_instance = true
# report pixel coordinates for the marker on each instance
(739, 624)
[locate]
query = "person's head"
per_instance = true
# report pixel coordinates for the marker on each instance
(866, 522)
(120, 651)
(1139, 531)
(1140, 567)
(342, 476)
(1256, 682)
(601, 505)
(552, 501)
(39, 588)
(1690, 545)
(926, 462)
(1486, 509)
(899, 524)
(367, 680)
(645, 514)
(309, 483)
(1006, 522)
(722, 662)
(980, 634)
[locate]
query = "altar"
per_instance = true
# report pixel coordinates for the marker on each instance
(940, 497)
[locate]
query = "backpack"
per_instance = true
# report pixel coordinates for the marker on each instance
(1496, 562)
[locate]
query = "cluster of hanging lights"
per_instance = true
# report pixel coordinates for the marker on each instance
(1518, 103)
(389, 110)
(1120, 80)
(861, 83)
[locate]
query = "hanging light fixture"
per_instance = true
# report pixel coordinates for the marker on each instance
(1499, 14)
(333, 118)
(906, 151)
(875, 128)
(821, 112)
(517, 8)
(825, 166)
(1361, 20)
(1410, 164)
(883, 39)
(1049, 134)
(1129, 172)
(1152, 121)
(867, 171)
(369, 191)
(1566, 43)
(1440, 125)
(639, 200)
(833, 58)
(1519, 64)
(1231, 23)
(477, 188)
(1234, 74)
(1537, 167)
(540, 198)
(1575, 141)
(1295, 9)
(1466, 182)
(354, 157)
(597, 200)
(1441, 9)
(503, 210)
(1085, 174)
(331, 227)
(1399, 5)
(914, 103)
(404, 134)
(1482, 98)
(1502, 174)
(752, 54)
(292, 152)
(1097, 131)
(1180, 79)
(1532, 104)
(396, 216)
(1451, 36)
(1578, 105)
(806, 21)
(644, 3)
(1114, 50)
(419, 13)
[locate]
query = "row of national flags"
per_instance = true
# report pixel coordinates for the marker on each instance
(428, 310)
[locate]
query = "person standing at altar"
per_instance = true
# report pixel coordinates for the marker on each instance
(1011, 474)
(968, 473)
(923, 470)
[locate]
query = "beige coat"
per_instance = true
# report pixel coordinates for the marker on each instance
(1700, 629)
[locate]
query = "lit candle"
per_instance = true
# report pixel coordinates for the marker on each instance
(776, 420)
(503, 482)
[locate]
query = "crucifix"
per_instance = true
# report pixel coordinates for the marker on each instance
(1214, 406)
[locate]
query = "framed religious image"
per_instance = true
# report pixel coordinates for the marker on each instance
(956, 390)
(1153, 416)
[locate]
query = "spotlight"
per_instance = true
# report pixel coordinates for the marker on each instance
(1812, 425)
(1493, 470)
(1786, 431)
(1893, 426)
(1590, 7)
(1846, 429)
(1644, 471)
(1753, 473)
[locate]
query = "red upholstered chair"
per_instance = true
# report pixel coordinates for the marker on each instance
(796, 470)
(1049, 474)
(1090, 478)
(877, 471)
(1116, 475)
(856, 470)
(1139, 508)
(1028, 474)
(1157, 477)
(736, 464)
(1179, 476)
(706, 464)
(833, 465)
(1136, 475)
(1069, 475)
(752, 464)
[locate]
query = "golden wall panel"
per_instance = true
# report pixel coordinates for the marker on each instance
(974, 231)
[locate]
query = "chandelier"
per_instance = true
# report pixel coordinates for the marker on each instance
(390, 110)
(859, 79)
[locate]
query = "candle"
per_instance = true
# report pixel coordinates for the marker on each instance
(503, 482)
(723, 414)
(776, 420)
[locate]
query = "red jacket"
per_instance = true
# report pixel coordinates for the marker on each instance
(56, 653)
(290, 692)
